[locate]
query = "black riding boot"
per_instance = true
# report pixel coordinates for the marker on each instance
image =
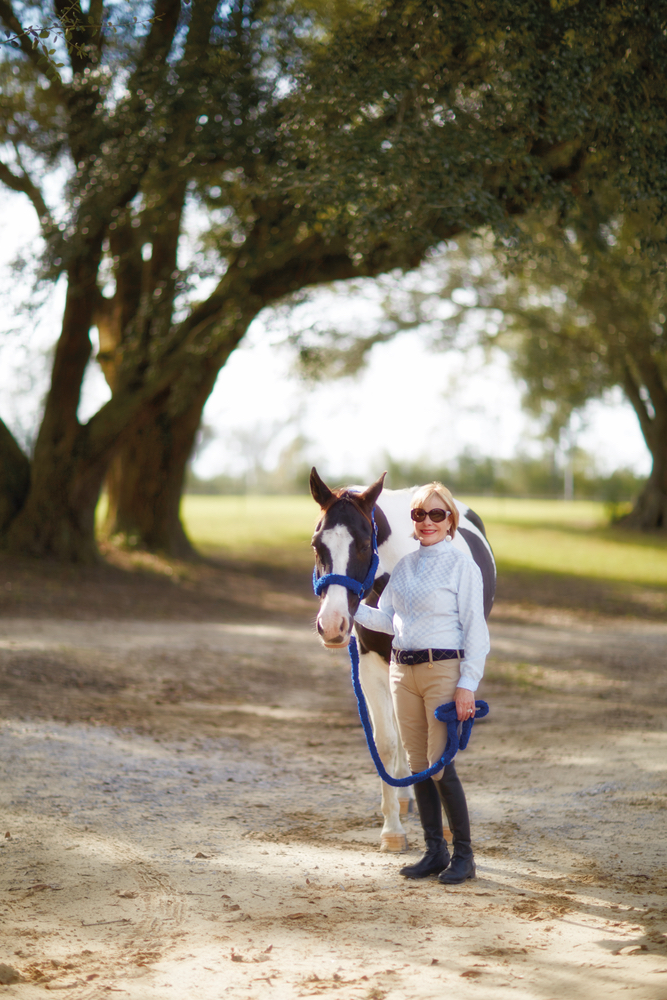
(430, 813)
(453, 798)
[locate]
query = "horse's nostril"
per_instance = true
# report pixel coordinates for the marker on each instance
(343, 625)
(319, 627)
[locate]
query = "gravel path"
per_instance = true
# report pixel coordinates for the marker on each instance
(191, 809)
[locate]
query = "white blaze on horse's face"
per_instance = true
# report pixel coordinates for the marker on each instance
(333, 621)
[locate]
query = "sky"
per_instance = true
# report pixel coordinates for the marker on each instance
(410, 402)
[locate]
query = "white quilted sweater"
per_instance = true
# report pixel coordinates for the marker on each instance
(434, 599)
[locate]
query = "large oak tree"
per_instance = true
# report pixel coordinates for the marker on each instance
(318, 141)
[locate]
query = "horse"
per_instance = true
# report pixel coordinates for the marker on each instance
(343, 544)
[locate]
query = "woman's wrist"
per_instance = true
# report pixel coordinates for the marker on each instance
(465, 704)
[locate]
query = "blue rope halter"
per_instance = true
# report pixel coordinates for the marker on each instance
(360, 589)
(457, 735)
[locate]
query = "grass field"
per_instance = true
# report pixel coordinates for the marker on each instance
(547, 536)
(274, 529)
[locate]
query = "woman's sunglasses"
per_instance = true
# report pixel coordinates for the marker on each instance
(436, 515)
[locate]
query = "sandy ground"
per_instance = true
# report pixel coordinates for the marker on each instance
(190, 811)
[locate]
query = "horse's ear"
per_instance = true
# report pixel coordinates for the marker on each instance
(369, 496)
(321, 492)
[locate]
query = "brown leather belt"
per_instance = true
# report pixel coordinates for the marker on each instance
(414, 656)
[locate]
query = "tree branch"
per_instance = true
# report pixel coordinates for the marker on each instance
(83, 40)
(71, 17)
(95, 15)
(200, 27)
(24, 184)
(312, 261)
(157, 45)
(36, 56)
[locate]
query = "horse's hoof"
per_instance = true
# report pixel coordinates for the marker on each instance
(394, 842)
(406, 806)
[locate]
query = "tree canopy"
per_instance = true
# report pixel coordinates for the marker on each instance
(579, 305)
(588, 311)
(315, 141)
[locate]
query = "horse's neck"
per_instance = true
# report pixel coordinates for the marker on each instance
(395, 505)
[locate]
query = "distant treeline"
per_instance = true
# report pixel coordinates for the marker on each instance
(521, 476)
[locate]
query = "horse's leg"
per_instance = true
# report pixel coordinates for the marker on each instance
(406, 795)
(374, 676)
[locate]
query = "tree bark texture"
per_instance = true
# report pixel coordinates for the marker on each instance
(57, 518)
(145, 479)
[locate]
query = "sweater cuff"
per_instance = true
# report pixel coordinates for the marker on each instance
(469, 683)
(363, 614)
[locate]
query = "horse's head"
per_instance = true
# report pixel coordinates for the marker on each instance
(343, 543)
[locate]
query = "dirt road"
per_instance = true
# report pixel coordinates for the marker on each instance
(191, 811)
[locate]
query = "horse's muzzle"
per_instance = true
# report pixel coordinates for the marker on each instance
(337, 644)
(335, 638)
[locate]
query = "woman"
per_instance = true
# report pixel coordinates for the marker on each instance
(433, 605)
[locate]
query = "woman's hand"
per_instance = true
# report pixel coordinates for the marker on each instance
(465, 704)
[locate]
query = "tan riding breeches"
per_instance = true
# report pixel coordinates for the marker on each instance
(416, 692)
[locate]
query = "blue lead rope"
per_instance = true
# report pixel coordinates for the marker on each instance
(445, 713)
(457, 735)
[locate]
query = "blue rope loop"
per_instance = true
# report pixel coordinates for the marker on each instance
(445, 713)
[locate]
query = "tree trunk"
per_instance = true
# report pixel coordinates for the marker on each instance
(643, 370)
(58, 517)
(650, 511)
(146, 476)
(14, 477)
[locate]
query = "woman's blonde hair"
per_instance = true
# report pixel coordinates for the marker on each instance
(434, 489)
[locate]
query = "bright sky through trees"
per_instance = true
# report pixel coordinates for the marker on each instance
(465, 404)
(410, 402)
